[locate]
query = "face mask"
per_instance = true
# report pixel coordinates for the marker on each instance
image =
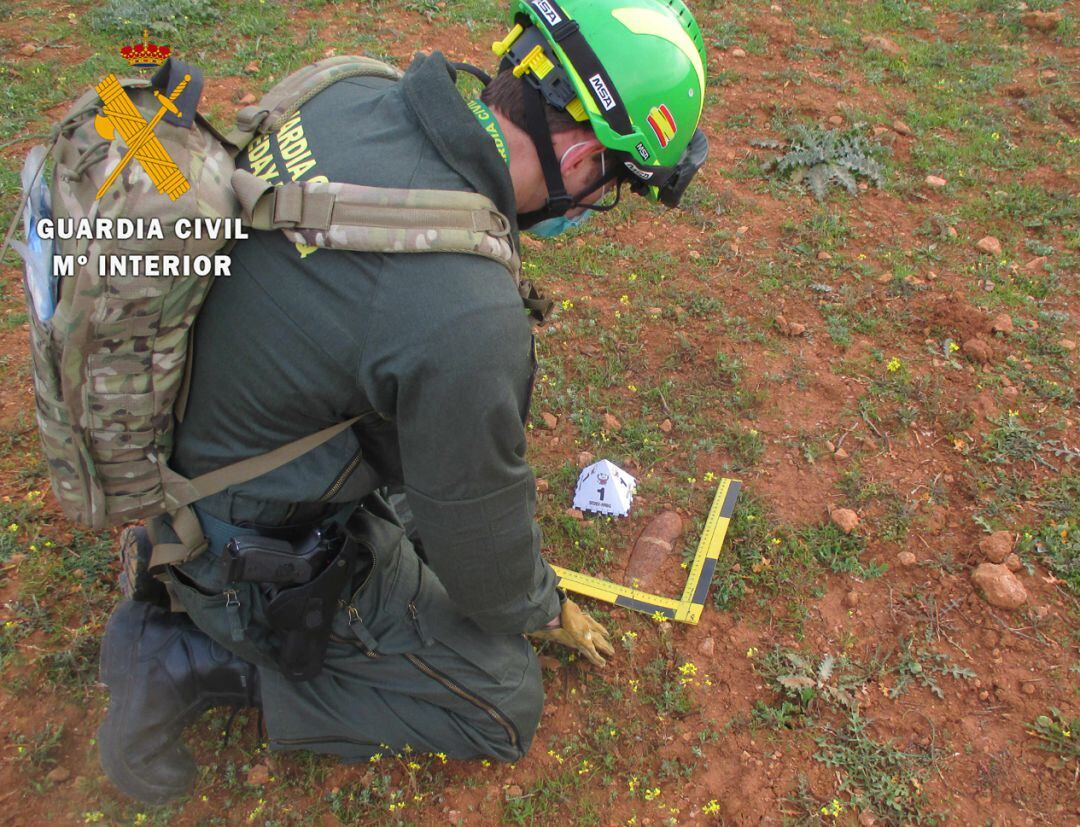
(551, 227)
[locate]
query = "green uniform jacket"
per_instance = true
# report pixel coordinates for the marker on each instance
(434, 349)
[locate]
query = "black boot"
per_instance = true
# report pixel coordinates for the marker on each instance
(136, 582)
(162, 673)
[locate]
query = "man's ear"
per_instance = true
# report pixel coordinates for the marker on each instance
(589, 147)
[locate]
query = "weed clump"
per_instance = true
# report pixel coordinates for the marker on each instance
(819, 157)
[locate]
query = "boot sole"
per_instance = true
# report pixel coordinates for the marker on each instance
(119, 653)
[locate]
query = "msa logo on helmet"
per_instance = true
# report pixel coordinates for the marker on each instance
(550, 15)
(644, 175)
(643, 151)
(662, 123)
(602, 93)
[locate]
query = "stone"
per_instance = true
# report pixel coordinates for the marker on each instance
(789, 328)
(1067, 344)
(575, 514)
(28, 49)
(252, 67)
(851, 599)
(666, 426)
(585, 458)
(57, 775)
(901, 128)
(259, 775)
(1037, 263)
(247, 99)
(996, 546)
(824, 256)
(935, 181)
(1028, 688)
(610, 423)
(999, 586)
(836, 120)
(978, 351)
(840, 454)
(707, 648)
(654, 547)
(1013, 564)
(513, 791)
(1041, 21)
(906, 559)
(738, 52)
(878, 43)
(542, 486)
(550, 421)
(1002, 323)
(845, 519)
(989, 245)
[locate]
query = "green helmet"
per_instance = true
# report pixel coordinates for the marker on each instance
(635, 69)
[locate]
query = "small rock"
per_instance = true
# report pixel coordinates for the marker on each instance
(866, 819)
(1041, 21)
(585, 458)
(789, 328)
(836, 120)
(902, 128)
(575, 513)
(845, 519)
(513, 791)
(259, 775)
(951, 232)
(610, 423)
(884, 278)
(989, 245)
(666, 426)
(550, 420)
(1067, 344)
(1010, 393)
(1037, 263)
(882, 44)
(738, 52)
(978, 351)
(707, 648)
(1003, 323)
(1028, 688)
(252, 67)
(548, 662)
(542, 486)
(823, 256)
(935, 181)
(28, 49)
(840, 454)
(997, 546)
(851, 599)
(906, 559)
(247, 99)
(58, 775)
(999, 586)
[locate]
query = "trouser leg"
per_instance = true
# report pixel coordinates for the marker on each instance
(404, 668)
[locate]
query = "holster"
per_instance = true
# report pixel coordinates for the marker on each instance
(302, 615)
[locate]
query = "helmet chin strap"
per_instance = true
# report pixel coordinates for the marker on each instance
(558, 199)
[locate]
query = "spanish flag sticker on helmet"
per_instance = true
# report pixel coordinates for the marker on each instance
(662, 123)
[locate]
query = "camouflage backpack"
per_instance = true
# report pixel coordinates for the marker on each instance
(109, 365)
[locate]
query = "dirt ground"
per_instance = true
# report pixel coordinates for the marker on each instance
(864, 353)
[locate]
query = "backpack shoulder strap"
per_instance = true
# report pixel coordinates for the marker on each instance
(283, 101)
(378, 219)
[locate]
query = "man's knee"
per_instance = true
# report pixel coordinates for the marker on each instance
(522, 706)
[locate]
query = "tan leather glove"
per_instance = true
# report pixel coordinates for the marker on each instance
(577, 630)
